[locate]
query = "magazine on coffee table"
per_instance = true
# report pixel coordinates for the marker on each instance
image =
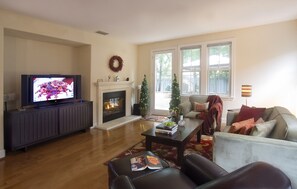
(145, 161)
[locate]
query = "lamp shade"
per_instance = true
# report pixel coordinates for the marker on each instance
(246, 90)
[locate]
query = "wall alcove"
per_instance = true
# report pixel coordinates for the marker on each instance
(29, 53)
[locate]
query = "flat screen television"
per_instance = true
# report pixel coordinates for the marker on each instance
(38, 90)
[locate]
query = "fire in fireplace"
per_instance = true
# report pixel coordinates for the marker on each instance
(114, 105)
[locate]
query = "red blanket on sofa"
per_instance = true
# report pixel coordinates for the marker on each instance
(215, 110)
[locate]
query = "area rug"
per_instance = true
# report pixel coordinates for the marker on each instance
(169, 153)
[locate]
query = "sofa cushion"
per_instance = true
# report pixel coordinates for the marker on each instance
(226, 129)
(263, 129)
(280, 130)
(249, 112)
(192, 114)
(292, 127)
(267, 113)
(201, 107)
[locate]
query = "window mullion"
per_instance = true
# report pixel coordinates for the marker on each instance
(204, 70)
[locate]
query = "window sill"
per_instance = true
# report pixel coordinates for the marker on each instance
(224, 98)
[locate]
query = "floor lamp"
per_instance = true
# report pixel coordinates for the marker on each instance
(246, 91)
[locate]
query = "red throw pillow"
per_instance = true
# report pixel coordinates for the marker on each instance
(249, 112)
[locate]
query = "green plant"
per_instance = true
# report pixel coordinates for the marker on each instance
(169, 124)
(144, 98)
(175, 97)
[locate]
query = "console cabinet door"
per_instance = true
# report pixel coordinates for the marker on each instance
(35, 125)
(75, 117)
(28, 127)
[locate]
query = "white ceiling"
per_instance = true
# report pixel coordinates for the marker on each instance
(143, 21)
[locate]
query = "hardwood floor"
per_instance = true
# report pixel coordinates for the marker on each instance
(75, 161)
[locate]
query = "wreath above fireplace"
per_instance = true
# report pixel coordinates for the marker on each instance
(112, 63)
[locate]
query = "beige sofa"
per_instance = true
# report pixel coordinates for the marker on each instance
(232, 151)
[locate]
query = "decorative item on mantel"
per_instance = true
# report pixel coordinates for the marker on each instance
(116, 78)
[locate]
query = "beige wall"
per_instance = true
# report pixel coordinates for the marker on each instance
(25, 56)
(37, 46)
(84, 58)
(265, 56)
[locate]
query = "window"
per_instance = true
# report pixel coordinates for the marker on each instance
(219, 66)
(190, 70)
(206, 69)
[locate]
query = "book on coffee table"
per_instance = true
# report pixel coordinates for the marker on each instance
(142, 162)
(167, 132)
(169, 125)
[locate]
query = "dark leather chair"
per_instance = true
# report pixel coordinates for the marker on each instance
(198, 172)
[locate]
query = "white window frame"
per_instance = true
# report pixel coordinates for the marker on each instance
(208, 67)
(181, 66)
(204, 65)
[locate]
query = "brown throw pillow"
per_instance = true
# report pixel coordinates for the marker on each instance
(242, 127)
(200, 107)
(246, 130)
(249, 112)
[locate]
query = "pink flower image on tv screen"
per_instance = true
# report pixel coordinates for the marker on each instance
(55, 88)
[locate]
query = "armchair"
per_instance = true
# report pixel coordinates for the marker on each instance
(211, 115)
(198, 172)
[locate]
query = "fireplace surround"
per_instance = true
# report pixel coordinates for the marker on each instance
(104, 88)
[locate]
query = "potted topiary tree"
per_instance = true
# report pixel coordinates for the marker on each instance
(175, 100)
(144, 98)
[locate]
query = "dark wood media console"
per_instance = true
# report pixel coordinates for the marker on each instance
(35, 125)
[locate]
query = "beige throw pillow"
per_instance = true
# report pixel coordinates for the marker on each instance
(263, 129)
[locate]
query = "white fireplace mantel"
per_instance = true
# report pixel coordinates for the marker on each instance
(105, 87)
(115, 84)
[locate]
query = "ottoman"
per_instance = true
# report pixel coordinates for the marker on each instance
(122, 166)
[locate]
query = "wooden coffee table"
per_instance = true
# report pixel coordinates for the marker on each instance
(178, 140)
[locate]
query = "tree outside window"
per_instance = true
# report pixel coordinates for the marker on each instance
(191, 70)
(219, 64)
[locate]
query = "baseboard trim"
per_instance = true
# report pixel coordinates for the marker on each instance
(2, 153)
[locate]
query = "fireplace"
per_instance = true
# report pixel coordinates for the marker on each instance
(114, 105)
